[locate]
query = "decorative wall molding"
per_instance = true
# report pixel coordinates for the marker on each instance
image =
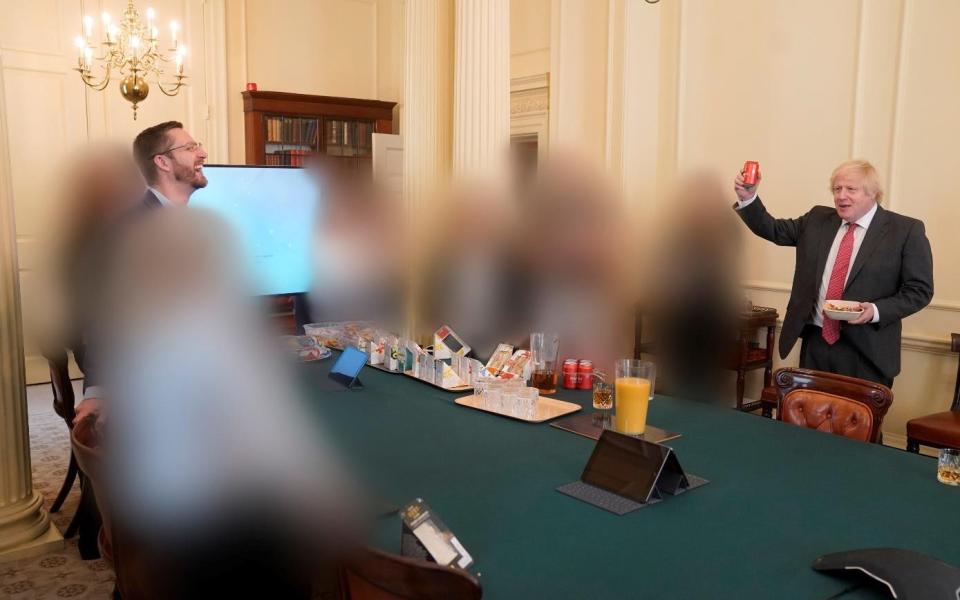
(530, 109)
(530, 94)
(528, 104)
(776, 286)
(917, 343)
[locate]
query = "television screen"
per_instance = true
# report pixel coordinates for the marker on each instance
(272, 212)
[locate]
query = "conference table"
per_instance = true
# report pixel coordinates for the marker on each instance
(779, 496)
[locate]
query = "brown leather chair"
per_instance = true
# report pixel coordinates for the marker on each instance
(939, 430)
(818, 410)
(376, 575)
(877, 397)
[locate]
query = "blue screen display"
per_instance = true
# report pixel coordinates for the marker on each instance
(272, 211)
(350, 362)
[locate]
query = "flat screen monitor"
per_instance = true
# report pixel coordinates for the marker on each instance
(272, 212)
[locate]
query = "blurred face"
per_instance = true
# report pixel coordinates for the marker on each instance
(851, 197)
(186, 158)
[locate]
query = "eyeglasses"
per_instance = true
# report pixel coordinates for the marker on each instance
(189, 147)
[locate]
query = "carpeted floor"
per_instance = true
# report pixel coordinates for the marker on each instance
(58, 574)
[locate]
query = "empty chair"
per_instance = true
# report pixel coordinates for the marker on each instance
(875, 396)
(939, 430)
(376, 575)
(828, 412)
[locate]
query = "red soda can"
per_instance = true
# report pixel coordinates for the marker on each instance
(585, 372)
(751, 169)
(570, 376)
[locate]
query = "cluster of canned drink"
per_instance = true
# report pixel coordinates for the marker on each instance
(577, 374)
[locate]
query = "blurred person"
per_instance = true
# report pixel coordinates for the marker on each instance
(358, 251)
(171, 162)
(692, 300)
(855, 251)
(576, 242)
(474, 277)
(218, 484)
(100, 184)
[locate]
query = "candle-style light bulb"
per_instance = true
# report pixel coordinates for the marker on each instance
(150, 16)
(80, 45)
(173, 32)
(87, 56)
(135, 42)
(181, 54)
(88, 26)
(105, 17)
(112, 32)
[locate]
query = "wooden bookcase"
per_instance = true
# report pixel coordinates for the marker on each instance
(283, 128)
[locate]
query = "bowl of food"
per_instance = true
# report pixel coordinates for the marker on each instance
(842, 310)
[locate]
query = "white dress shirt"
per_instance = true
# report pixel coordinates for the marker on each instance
(858, 234)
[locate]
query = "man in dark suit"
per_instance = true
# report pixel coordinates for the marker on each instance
(855, 251)
(171, 163)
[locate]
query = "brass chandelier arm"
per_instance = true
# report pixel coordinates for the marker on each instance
(87, 78)
(174, 89)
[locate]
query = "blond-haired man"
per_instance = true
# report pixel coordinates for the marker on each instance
(855, 251)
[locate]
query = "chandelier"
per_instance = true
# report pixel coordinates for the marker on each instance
(129, 49)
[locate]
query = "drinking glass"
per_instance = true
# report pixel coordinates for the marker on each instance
(602, 400)
(948, 467)
(633, 382)
(529, 398)
(543, 351)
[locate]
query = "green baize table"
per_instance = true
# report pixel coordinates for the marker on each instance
(779, 496)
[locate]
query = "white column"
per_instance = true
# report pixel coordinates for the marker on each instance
(641, 98)
(578, 77)
(427, 95)
(24, 524)
(481, 110)
(426, 120)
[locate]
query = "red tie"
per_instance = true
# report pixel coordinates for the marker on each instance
(831, 328)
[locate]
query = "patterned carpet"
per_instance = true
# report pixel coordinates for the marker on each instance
(58, 574)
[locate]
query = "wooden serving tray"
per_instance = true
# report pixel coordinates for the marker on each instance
(459, 388)
(547, 408)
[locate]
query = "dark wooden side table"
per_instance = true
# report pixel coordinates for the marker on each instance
(749, 355)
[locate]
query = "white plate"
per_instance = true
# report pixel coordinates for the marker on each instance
(842, 315)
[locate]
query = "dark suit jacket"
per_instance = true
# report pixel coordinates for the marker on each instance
(96, 256)
(893, 269)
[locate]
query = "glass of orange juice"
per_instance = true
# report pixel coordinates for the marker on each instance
(633, 387)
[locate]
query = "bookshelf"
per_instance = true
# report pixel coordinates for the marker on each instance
(283, 129)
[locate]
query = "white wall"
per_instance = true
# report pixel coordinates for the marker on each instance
(49, 112)
(350, 48)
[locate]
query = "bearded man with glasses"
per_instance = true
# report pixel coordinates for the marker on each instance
(171, 163)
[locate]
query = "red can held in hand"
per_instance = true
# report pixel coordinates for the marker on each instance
(751, 169)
